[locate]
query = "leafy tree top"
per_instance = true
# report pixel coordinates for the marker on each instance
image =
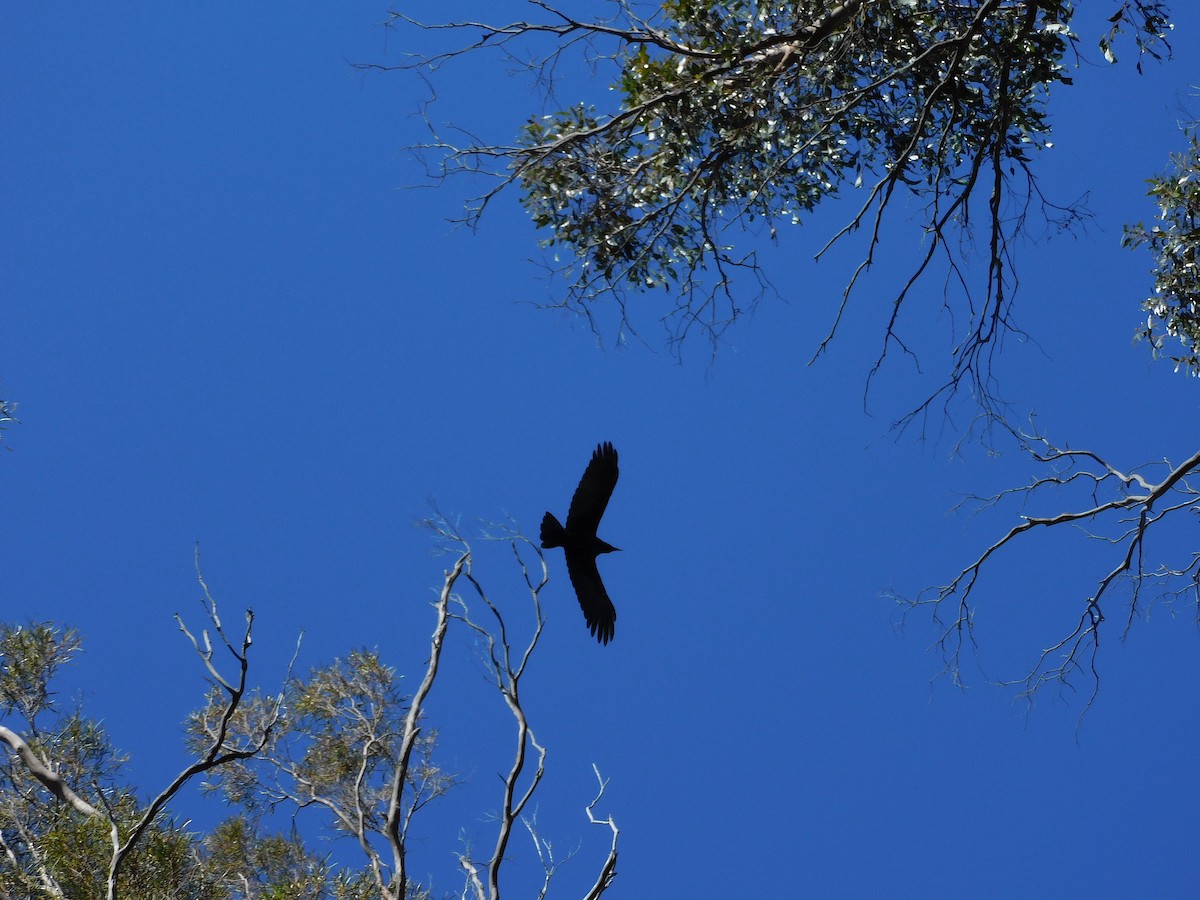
(1173, 310)
(748, 114)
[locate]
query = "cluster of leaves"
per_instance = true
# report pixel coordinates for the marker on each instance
(48, 851)
(1173, 312)
(1149, 20)
(748, 114)
(760, 109)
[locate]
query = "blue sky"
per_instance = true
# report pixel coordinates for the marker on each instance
(226, 320)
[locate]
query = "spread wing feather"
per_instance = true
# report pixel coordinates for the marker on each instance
(591, 497)
(598, 610)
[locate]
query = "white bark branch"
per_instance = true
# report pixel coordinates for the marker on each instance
(412, 729)
(1123, 498)
(51, 780)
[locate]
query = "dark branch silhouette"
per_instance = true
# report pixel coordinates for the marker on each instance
(580, 544)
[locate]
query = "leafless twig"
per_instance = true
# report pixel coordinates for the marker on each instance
(220, 751)
(1120, 507)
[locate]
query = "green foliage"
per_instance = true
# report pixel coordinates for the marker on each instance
(30, 655)
(55, 852)
(1148, 19)
(335, 748)
(167, 865)
(748, 115)
(270, 867)
(744, 111)
(334, 752)
(337, 743)
(348, 711)
(1173, 312)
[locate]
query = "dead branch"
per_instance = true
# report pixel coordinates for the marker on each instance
(412, 729)
(609, 870)
(506, 667)
(1122, 508)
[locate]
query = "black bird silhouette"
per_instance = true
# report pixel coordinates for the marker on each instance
(580, 544)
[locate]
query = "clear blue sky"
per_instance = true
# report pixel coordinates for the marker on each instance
(225, 321)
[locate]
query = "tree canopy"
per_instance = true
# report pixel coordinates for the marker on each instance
(342, 744)
(748, 115)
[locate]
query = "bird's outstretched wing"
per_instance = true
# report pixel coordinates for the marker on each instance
(598, 610)
(591, 497)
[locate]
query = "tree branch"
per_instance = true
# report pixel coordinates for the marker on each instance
(50, 779)
(609, 870)
(1128, 500)
(219, 751)
(725, 120)
(412, 729)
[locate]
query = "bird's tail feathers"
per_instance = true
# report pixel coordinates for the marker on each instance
(552, 533)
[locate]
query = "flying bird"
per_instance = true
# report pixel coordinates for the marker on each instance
(580, 544)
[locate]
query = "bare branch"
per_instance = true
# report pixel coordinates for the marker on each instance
(412, 729)
(545, 854)
(609, 870)
(220, 752)
(1121, 508)
(506, 669)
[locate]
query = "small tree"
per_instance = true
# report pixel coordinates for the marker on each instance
(343, 740)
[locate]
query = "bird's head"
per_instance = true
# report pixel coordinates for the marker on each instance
(602, 547)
